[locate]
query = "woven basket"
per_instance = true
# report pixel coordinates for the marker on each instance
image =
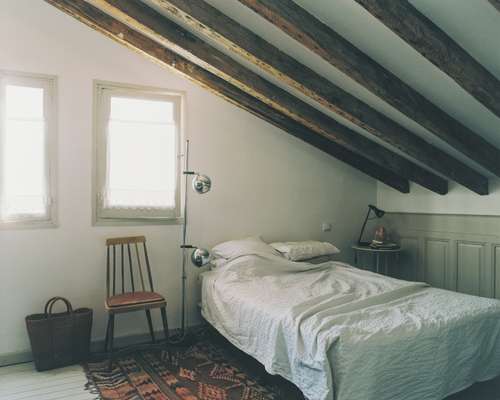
(59, 339)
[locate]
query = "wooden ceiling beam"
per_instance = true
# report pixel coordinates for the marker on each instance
(436, 46)
(167, 33)
(206, 20)
(496, 4)
(333, 48)
(118, 31)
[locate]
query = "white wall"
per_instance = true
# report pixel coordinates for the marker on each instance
(265, 181)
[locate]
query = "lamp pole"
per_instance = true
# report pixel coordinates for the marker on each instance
(200, 257)
(184, 244)
(361, 243)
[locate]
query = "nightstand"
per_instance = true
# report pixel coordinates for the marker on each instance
(387, 256)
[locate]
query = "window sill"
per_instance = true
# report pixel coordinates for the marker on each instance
(18, 225)
(99, 221)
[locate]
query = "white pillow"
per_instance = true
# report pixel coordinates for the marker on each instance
(237, 248)
(297, 251)
(319, 259)
(218, 262)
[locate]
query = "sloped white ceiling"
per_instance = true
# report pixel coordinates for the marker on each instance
(475, 25)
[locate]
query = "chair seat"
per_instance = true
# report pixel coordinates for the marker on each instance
(133, 298)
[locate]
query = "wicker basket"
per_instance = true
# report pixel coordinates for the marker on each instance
(59, 339)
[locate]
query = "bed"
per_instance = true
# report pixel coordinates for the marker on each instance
(338, 332)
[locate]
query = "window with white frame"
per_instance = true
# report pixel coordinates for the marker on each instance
(27, 149)
(137, 153)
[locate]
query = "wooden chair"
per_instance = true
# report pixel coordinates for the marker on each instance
(133, 294)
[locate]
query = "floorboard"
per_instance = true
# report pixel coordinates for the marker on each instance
(23, 382)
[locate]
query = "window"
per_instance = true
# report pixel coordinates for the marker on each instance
(27, 140)
(137, 152)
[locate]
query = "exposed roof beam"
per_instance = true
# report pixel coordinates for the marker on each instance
(207, 20)
(169, 34)
(145, 46)
(441, 50)
(496, 4)
(324, 41)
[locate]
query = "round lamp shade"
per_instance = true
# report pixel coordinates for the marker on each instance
(201, 184)
(200, 257)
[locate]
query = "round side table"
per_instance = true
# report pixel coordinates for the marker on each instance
(386, 254)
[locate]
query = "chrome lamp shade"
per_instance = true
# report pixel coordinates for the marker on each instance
(200, 257)
(201, 184)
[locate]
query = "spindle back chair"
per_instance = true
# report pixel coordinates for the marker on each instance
(130, 289)
(130, 251)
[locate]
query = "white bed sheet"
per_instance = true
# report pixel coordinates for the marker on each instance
(344, 333)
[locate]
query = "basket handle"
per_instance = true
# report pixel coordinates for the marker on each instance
(46, 308)
(52, 301)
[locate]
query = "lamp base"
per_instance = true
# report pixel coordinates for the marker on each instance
(364, 244)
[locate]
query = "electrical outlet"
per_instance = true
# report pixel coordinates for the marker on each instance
(326, 227)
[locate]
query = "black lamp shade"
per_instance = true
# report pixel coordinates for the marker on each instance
(378, 213)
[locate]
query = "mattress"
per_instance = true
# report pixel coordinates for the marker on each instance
(339, 332)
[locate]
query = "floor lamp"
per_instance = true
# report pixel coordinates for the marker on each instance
(201, 184)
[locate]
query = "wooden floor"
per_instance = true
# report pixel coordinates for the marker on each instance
(22, 382)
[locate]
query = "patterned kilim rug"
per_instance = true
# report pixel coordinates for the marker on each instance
(209, 370)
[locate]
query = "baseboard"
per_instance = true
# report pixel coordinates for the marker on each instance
(15, 358)
(95, 346)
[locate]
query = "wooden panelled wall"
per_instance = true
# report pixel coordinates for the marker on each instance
(454, 252)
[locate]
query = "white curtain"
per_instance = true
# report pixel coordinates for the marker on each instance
(141, 155)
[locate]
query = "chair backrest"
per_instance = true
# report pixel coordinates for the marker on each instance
(122, 251)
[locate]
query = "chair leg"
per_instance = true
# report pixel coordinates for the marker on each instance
(165, 331)
(111, 338)
(150, 324)
(165, 322)
(106, 339)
